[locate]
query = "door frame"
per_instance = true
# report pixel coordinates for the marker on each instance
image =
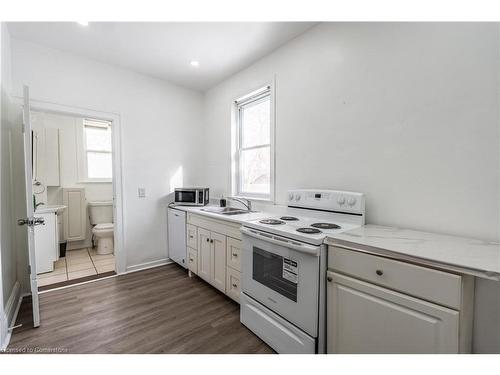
(114, 118)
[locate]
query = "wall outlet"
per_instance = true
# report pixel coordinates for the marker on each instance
(141, 192)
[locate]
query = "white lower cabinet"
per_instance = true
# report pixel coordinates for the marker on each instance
(380, 305)
(204, 254)
(46, 243)
(212, 258)
(216, 258)
(365, 318)
(233, 270)
(218, 261)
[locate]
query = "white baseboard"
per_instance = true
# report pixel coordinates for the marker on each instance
(11, 311)
(145, 266)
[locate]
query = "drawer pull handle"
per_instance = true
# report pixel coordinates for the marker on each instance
(235, 255)
(211, 241)
(191, 259)
(379, 272)
(235, 286)
(190, 236)
(208, 239)
(329, 279)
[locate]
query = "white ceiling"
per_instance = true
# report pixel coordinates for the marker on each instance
(165, 50)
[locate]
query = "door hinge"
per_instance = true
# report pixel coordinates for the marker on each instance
(29, 269)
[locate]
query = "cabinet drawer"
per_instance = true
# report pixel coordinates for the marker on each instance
(233, 284)
(192, 260)
(214, 225)
(233, 255)
(191, 236)
(432, 285)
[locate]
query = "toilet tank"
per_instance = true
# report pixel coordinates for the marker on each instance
(101, 212)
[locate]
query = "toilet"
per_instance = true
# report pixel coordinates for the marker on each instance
(101, 218)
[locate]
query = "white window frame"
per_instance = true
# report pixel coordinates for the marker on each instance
(252, 97)
(82, 153)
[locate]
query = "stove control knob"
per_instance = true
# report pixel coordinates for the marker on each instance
(351, 201)
(290, 196)
(341, 200)
(297, 197)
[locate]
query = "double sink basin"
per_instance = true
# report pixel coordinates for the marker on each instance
(226, 210)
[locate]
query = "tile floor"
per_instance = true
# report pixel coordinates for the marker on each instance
(77, 264)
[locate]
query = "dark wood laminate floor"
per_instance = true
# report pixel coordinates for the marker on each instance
(160, 310)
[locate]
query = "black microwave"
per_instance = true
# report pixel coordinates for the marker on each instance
(191, 196)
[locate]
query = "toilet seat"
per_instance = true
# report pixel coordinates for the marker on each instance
(104, 226)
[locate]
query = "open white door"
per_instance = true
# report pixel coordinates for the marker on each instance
(30, 221)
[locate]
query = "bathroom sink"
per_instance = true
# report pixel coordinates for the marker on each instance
(226, 210)
(57, 208)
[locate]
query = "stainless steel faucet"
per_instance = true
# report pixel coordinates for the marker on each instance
(244, 201)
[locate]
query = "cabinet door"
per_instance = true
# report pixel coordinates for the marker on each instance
(45, 243)
(75, 214)
(365, 318)
(233, 253)
(204, 254)
(218, 242)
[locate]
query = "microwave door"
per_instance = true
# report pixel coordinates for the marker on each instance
(185, 196)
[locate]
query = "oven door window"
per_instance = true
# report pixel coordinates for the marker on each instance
(185, 196)
(276, 272)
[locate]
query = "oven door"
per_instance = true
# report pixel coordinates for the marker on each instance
(283, 275)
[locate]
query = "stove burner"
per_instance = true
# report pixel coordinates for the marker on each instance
(289, 218)
(272, 221)
(308, 230)
(325, 226)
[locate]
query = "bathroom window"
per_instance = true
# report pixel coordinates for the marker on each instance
(96, 162)
(253, 175)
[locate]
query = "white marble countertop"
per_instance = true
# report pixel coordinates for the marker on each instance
(240, 218)
(469, 256)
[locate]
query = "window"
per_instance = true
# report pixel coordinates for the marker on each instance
(97, 154)
(253, 171)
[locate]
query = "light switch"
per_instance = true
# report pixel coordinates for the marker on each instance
(141, 192)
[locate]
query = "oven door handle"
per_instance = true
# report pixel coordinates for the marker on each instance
(303, 248)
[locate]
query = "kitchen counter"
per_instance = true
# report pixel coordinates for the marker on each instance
(240, 218)
(469, 256)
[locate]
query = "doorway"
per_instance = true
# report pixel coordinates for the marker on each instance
(77, 189)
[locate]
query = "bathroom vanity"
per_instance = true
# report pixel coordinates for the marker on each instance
(47, 237)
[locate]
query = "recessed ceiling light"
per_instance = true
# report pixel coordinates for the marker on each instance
(195, 63)
(83, 23)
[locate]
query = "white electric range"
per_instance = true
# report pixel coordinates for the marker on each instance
(284, 268)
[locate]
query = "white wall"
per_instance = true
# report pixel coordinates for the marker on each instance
(159, 124)
(406, 113)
